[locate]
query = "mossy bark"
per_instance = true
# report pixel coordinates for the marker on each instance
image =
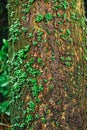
(47, 44)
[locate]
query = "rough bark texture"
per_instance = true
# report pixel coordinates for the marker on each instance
(47, 43)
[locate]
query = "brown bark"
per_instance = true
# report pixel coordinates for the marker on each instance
(58, 54)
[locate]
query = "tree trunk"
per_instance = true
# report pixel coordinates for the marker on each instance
(47, 64)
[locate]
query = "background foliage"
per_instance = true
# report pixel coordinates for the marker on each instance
(4, 88)
(4, 79)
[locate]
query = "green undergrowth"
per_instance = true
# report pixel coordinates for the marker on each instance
(4, 87)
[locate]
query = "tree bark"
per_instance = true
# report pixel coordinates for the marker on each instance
(47, 43)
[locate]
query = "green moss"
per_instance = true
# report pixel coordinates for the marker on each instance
(24, 18)
(62, 58)
(73, 4)
(39, 33)
(64, 4)
(16, 2)
(35, 43)
(29, 118)
(37, 116)
(43, 119)
(14, 31)
(31, 106)
(48, 17)
(68, 58)
(50, 87)
(45, 80)
(39, 60)
(58, 15)
(24, 29)
(31, 1)
(67, 64)
(30, 35)
(39, 18)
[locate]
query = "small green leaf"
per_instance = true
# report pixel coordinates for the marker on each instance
(5, 42)
(39, 18)
(35, 43)
(48, 17)
(68, 59)
(39, 60)
(30, 35)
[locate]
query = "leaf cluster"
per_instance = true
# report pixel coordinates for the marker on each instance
(4, 103)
